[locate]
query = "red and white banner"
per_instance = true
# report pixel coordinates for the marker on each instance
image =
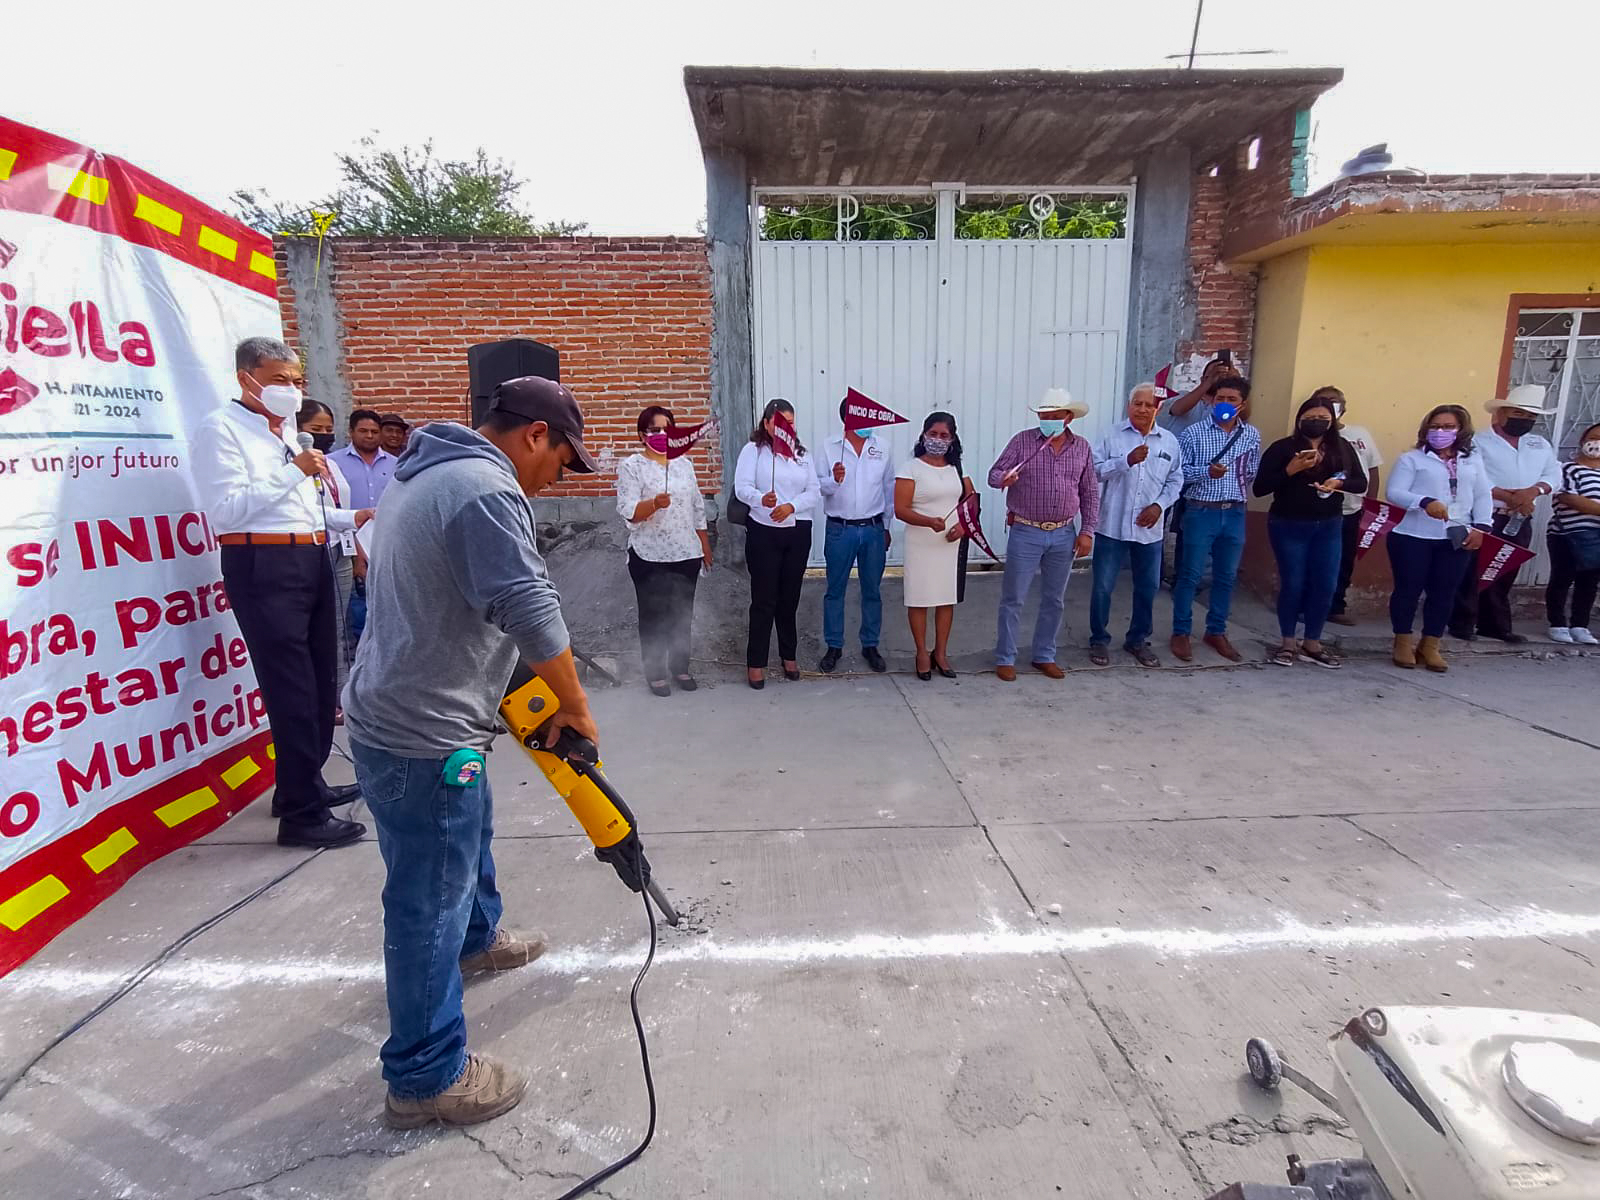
(130, 721)
(675, 441)
(1497, 557)
(972, 525)
(785, 442)
(862, 412)
(1377, 519)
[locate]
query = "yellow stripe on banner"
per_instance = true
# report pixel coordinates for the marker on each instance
(272, 751)
(107, 852)
(79, 184)
(8, 159)
(184, 807)
(262, 264)
(219, 244)
(169, 220)
(30, 902)
(241, 771)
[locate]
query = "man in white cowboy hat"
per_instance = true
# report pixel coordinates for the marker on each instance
(1048, 476)
(1522, 467)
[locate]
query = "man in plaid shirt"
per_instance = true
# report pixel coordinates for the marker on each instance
(1221, 455)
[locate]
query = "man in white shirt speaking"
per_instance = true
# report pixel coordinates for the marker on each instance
(1522, 467)
(857, 478)
(1140, 465)
(260, 492)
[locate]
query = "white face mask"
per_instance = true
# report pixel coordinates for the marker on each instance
(1591, 449)
(279, 399)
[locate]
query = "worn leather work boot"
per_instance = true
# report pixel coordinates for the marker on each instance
(506, 952)
(486, 1090)
(1405, 650)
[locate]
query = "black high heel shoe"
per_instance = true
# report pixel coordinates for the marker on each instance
(943, 668)
(792, 676)
(928, 674)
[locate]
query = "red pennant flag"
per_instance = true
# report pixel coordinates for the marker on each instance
(1163, 386)
(1377, 518)
(784, 441)
(861, 412)
(677, 440)
(1497, 557)
(967, 516)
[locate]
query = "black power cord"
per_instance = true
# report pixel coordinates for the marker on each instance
(144, 972)
(600, 1177)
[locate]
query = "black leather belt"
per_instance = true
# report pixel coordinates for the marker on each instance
(877, 520)
(1215, 503)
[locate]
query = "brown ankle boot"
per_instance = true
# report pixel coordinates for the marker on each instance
(1405, 650)
(1428, 653)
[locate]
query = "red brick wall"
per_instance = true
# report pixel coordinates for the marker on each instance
(1236, 197)
(631, 318)
(1224, 296)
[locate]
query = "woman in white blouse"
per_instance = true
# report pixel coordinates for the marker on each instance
(783, 493)
(1448, 502)
(667, 546)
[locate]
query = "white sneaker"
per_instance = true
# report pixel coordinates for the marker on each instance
(1558, 634)
(1583, 637)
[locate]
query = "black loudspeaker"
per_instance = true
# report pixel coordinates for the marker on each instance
(490, 364)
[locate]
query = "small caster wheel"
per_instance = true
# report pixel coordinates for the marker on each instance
(1266, 1069)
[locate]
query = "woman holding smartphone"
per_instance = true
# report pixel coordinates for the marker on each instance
(1306, 474)
(1448, 502)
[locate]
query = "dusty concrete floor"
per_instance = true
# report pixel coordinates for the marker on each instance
(871, 996)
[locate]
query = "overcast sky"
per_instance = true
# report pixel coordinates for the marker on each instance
(586, 100)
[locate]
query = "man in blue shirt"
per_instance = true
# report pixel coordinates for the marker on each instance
(364, 462)
(1221, 455)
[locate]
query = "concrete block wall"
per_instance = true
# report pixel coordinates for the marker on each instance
(386, 324)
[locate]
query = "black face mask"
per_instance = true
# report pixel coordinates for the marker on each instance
(1315, 427)
(1517, 426)
(322, 441)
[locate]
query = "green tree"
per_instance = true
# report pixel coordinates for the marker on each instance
(407, 193)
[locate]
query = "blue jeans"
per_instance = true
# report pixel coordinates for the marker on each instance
(1308, 555)
(1217, 534)
(440, 904)
(843, 547)
(1110, 556)
(1031, 552)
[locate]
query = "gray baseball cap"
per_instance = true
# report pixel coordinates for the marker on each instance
(538, 399)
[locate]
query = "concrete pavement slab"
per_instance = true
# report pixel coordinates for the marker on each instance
(1556, 690)
(1134, 745)
(1211, 932)
(826, 1034)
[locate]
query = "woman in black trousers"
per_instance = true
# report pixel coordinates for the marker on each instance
(660, 500)
(776, 478)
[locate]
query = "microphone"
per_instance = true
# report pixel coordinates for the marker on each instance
(303, 439)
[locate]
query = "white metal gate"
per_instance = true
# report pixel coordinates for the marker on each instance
(976, 326)
(1559, 348)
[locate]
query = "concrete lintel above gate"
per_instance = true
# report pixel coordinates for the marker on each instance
(839, 128)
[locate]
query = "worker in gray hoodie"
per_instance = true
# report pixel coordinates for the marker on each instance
(456, 594)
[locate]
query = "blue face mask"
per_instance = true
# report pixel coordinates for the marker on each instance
(1051, 428)
(1223, 413)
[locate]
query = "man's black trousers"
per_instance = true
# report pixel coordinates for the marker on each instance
(284, 598)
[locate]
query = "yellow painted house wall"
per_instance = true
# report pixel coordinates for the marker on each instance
(1399, 327)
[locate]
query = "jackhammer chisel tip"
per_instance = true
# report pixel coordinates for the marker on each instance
(668, 913)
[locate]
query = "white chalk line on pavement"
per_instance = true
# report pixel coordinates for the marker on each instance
(207, 974)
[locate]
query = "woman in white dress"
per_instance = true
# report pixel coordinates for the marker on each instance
(660, 501)
(926, 492)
